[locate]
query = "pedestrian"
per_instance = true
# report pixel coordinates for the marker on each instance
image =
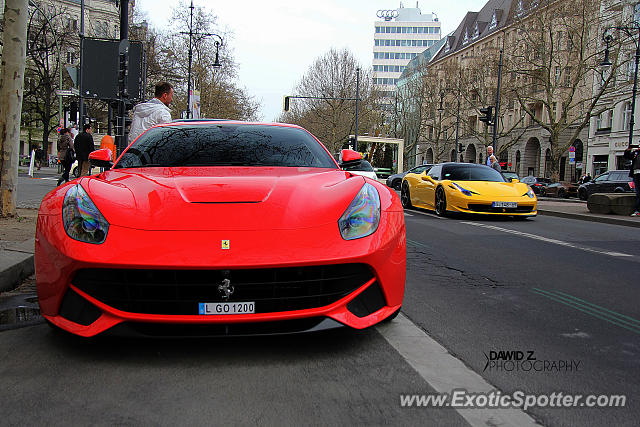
(73, 131)
(39, 157)
(66, 155)
(633, 153)
(587, 178)
(84, 145)
(494, 163)
(489, 155)
(153, 112)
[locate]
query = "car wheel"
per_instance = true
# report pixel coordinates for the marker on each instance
(582, 194)
(397, 183)
(562, 194)
(543, 192)
(405, 197)
(441, 202)
(619, 190)
(75, 171)
(393, 316)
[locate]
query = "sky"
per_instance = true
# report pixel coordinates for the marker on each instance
(275, 42)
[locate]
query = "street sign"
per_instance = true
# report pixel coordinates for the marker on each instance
(572, 149)
(572, 159)
(69, 92)
(578, 165)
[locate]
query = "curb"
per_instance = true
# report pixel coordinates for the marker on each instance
(16, 266)
(600, 219)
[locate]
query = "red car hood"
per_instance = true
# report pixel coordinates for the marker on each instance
(222, 198)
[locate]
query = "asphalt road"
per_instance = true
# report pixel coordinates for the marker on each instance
(480, 285)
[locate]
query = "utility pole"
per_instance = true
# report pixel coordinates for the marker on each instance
(355, 144)
(81, 97)
(123, 95)
(14, 41)
(495, 117)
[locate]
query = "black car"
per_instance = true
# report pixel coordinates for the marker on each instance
(394, 181)
(536, 183)
(617, 181)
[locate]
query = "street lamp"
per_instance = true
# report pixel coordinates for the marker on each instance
(630, 31)
(216, 63)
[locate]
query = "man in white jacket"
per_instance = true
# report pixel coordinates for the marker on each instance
(153, 112)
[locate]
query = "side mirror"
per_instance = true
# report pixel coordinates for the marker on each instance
(515, 180)
(427, 178)
(101, 158)
(349, 158)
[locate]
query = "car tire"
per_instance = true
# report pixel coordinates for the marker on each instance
(405, 196)
(582, 194)
(440, 203)
(619, 190)
(397, 184)
(543, 192)
(393, 316)
(75, 172)
(562, 194)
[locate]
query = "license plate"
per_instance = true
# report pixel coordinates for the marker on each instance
(226, 307)
(505, 204)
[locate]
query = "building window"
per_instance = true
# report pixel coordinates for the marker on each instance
(627, 116)
(557, 75)
(494, 21)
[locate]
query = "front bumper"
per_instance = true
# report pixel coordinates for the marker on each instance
(59, 259)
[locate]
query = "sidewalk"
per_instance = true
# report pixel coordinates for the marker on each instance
(577, 209)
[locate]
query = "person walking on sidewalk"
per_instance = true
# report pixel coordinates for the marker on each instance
(83, 146)
(152, 112)
(65, 152)
(633, 153)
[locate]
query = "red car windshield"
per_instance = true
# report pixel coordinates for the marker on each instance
(224, 144)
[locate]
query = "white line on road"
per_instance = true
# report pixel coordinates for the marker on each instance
(425, 214)
(445, 373)
(548, 240)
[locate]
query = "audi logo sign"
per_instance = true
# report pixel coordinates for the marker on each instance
(387, 15)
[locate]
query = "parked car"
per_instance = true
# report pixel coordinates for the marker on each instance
(616, 181)
(395, 180)
(510, 175)
(536, 183)
(560, 189)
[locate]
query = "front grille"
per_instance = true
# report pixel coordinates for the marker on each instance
(479, 207)
(180, 291)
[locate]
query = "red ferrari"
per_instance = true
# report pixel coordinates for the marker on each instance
(220, 228)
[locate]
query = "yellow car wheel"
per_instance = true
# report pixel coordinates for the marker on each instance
(405, 197)
(441, 202)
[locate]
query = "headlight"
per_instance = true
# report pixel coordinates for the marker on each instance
(81, 218)
(530, 193)
(463, 190)
(362, 216)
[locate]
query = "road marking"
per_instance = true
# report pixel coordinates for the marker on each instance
(548, 240)
(427, 214)
(406, 214)
(599, 312)
(445, 373)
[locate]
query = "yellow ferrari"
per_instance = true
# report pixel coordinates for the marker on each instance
(467, 188)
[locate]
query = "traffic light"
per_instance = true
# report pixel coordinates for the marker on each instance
(460, 148)
(286, 103)
(487, 115)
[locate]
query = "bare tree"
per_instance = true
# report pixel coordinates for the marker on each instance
(333, 120)
(167, 59)
(555, 54)
(11, 84)
(46, 35)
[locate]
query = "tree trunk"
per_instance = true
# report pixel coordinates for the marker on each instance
(11, 88)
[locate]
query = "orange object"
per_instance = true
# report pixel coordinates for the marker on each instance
(107, 142)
